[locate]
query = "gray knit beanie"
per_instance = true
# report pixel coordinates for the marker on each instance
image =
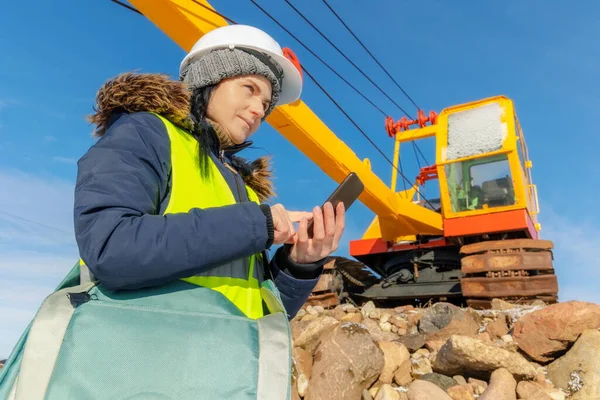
(220, 64)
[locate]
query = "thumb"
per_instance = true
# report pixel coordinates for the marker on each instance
(296, 216)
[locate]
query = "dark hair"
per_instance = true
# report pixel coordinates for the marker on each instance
(203, 131)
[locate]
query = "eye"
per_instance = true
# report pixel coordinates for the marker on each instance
(250, 87)
(266, 106)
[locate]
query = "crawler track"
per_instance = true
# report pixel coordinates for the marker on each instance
(518, 270)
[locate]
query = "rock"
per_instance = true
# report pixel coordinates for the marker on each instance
(366, 395)
(403, 309)
(443, 320)
(413, 342)
(421, 353)
(295, 395)
(556, 394)
(384, 318)
(434, 345)
(302, 385)
(373, 391)
(301, 313)
(412, 318)
(310, 317)
(507, 339)
(498, 304)
(461, 392)
(303, 368)
(394, 354)
(367, 308)
(502, 386)
(376, 332)
(308, 338)
(311, 310)
(546, 333)
(538, 303)
(338, 313)
(498, 328)
(302, 361)
(437, 317)
(319, 309)
(460, 379)
(578, 371)
(346, 361)
(401, 323)
(387, 392)
(485, 338)
(385, 326)
(375, 314)
(348, 308)
(461, 353)
(420, 366)
(441, 381)
(531, 391)
(353, 317)
(423, 390)
(478, 386)
(403, 375)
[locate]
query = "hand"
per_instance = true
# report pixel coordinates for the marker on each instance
(283, 223)
(327, 232)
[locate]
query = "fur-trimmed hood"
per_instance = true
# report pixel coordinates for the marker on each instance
(157, 93)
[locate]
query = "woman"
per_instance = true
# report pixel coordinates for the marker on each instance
(164, 206)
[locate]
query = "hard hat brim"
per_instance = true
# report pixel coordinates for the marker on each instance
(292, 80)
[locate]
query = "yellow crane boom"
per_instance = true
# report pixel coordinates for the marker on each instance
(185, 21)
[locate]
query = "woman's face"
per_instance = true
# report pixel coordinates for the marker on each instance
(238, 104)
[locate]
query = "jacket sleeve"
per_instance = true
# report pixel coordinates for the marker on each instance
(122, 237)
(294, 281)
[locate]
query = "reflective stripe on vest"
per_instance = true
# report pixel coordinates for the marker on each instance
(238, 280)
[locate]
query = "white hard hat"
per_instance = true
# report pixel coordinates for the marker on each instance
(248, 37)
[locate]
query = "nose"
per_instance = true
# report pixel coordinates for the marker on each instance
(256, 108)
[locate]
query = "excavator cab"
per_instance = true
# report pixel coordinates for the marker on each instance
(484, 172)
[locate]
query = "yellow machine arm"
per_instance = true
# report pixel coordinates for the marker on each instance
(184, 21)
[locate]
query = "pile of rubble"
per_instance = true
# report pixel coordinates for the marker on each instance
(443, 352)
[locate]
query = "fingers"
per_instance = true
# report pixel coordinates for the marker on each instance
(296, 216)
(329, 226)
(302, 242)
(283, 228)
(340, 223)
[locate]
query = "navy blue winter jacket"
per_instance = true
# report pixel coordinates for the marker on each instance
(123, 186)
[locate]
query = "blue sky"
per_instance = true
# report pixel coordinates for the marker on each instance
(542, 54)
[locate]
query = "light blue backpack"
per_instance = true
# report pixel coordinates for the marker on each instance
(87, 342)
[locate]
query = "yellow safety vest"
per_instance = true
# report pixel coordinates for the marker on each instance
(237, 280)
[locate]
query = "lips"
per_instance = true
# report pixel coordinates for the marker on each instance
(249, 123)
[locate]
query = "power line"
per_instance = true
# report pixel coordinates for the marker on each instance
(34, 222)
(401, 170)
(371, 54)
(127, 6)
(346, 57)
(319, 58)
(415, 146)
(364, 134)
(216, 12)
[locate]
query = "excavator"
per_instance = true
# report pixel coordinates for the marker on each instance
(478, 241)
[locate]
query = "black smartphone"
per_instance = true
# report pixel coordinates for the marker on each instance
(347, 192)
